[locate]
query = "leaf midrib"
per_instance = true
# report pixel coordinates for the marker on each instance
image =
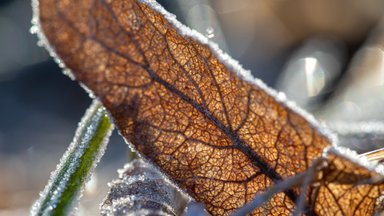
(238, 143)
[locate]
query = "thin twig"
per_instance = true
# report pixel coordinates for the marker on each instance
(260, 199)
(300, 204)
(284, 185)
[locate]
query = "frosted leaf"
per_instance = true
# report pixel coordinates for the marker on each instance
(340, 183)
(351, 181)
(142, 190)
(214, 131)
(236, 67)
(77, 164)
(228, 61)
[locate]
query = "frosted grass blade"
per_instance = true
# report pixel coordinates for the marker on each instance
(77, 164)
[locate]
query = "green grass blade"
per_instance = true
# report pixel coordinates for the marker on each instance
(77, 164)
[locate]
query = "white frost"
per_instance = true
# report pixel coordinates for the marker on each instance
(60, 177)
(36, 29)
(357, 159)
(235, 67)
(227, 60)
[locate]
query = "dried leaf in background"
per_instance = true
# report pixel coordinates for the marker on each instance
(190, 109)
(340, 183)
(348, 186)
(142, 190)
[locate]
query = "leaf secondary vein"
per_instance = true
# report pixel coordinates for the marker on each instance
(238, 143)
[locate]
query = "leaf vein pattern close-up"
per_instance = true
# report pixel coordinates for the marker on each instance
(217, 134)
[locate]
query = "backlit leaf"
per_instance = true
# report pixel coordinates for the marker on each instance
(340, 183)
(345, 188)
(214, 130)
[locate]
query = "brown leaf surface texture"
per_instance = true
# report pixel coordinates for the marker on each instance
(345, 187)
(218, 136)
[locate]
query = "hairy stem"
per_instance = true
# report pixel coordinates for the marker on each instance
(77, 164)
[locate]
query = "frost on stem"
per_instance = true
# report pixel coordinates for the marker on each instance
(142, 190)
(77, 164)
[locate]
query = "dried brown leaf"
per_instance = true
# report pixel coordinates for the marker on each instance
(142, 190)
(217, 133)
(348, 185)
(341, 183)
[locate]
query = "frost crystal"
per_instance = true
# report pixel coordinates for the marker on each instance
(235, 66)
(230, 63)
(77, 164)
(360, 160)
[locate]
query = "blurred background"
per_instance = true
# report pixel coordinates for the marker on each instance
(326, 55)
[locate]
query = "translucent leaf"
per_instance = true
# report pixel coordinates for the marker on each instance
(77, 164)
(350, 185)
(214, 130)
(340, 183)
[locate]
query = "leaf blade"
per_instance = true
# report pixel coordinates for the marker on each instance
(351, 185)
(217, 133)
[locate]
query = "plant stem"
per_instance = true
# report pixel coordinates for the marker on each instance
(77, 164)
